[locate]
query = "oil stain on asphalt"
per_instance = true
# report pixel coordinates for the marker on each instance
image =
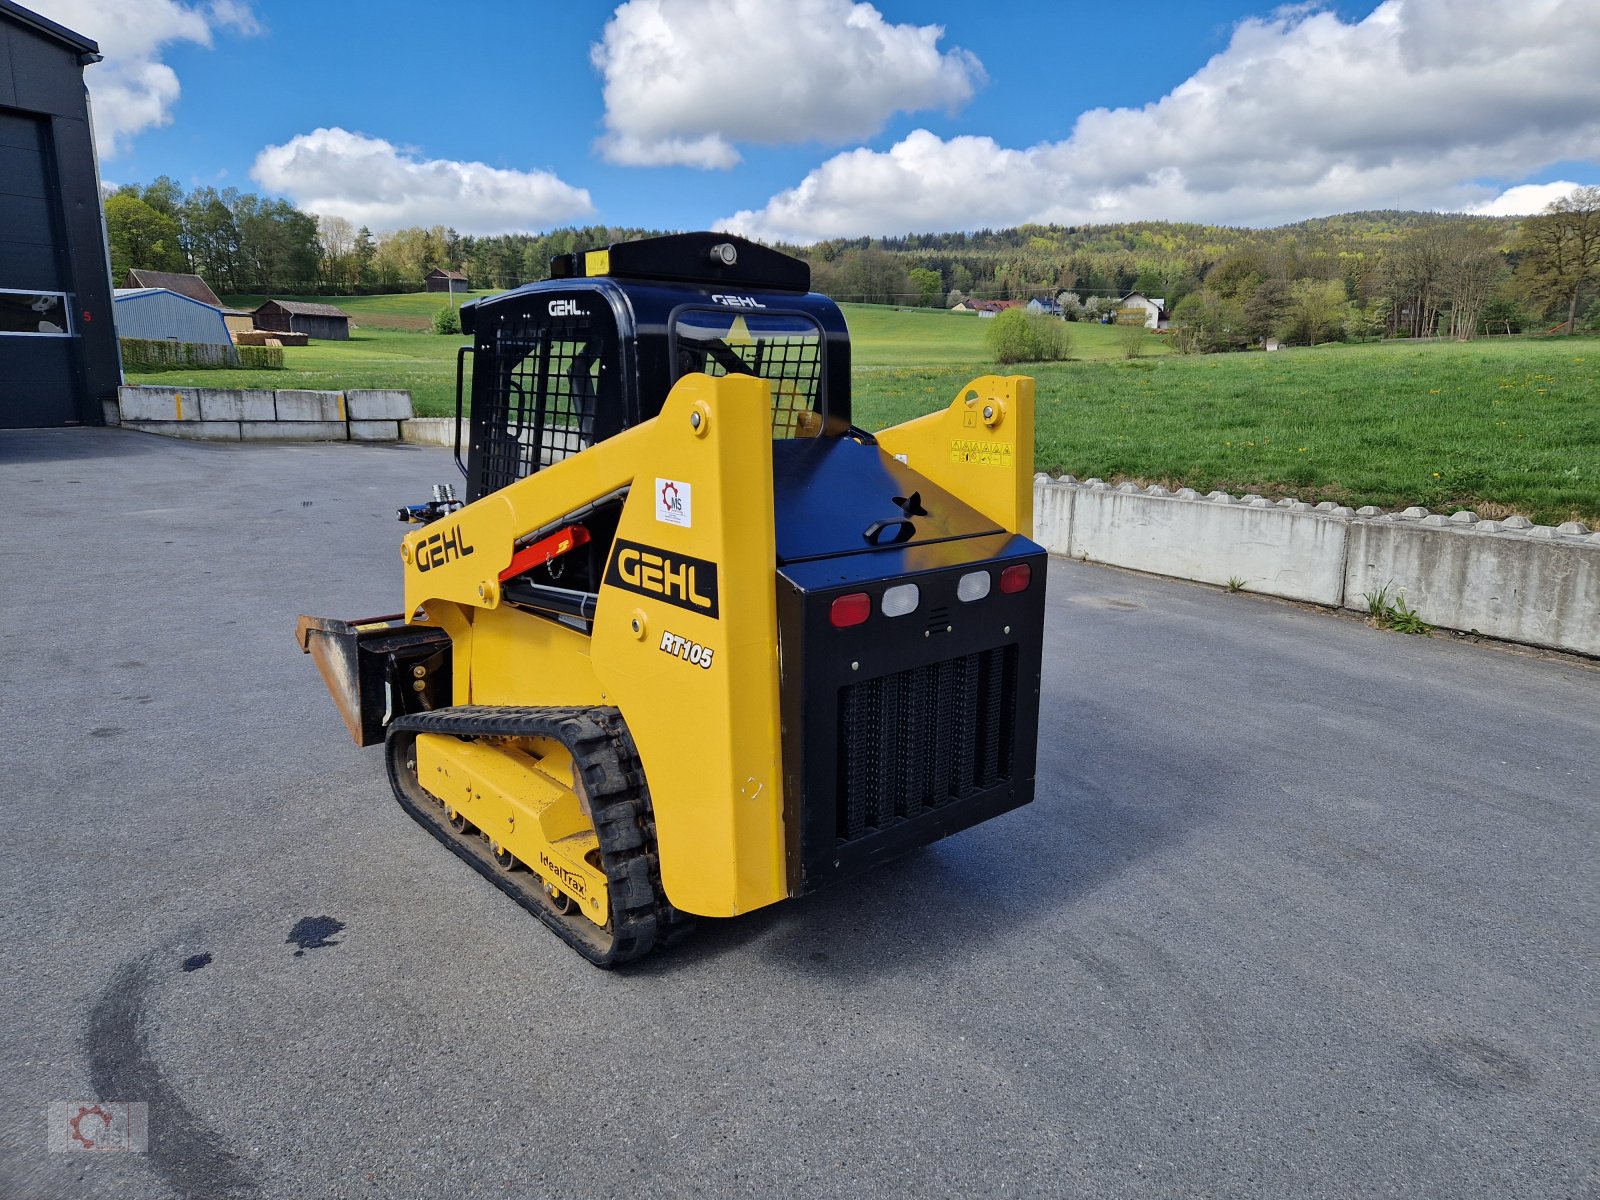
(312, 933)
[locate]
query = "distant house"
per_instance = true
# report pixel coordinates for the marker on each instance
(162, 315)
(321, 321)
(1155, 311)
(191, 286)
(441, 280)
(987, 308)
(1046, 305)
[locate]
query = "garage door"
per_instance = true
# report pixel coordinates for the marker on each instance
(38, 384)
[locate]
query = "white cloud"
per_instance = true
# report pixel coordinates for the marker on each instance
(371, 182)
(133, 90)
(1524, 199)
(687, 79)
(1302, 114)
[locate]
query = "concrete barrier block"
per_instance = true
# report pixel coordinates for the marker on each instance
(294, 431)
(158, 404)
(309, 406)
(111, 411)
(235, 404)
(373, 405)
(374, 431)
(1298, 555)
(431, 431)
(1052, 515)
(1541, 590)
(202, 431)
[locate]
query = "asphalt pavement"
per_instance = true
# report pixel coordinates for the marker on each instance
(1302, 909)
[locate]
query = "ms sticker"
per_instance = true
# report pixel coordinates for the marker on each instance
(673, 502)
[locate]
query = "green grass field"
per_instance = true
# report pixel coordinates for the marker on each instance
(1503, 426)
(881, 336)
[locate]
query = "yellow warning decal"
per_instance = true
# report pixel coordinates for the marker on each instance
(980, 453)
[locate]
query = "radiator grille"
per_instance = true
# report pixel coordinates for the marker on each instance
(923, 738)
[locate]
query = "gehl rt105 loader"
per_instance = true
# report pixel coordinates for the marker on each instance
(696, 642)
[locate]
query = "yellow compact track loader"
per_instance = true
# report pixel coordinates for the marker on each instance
(695, 642)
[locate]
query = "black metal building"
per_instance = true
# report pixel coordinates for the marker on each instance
(58, 344)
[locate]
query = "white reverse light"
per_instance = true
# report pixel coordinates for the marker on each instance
(901, 599)
(974, 585)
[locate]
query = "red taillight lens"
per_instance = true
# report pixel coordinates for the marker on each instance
(850, 610)
(1016, 578)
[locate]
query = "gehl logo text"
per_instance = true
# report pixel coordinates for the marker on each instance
(689, 583)
(439, 548)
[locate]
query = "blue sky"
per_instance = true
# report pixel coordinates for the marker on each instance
(802, 119)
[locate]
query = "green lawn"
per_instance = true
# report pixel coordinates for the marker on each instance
(1504, 426)
(881, 336)
(1509, 425)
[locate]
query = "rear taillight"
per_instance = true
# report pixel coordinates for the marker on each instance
(1016, 578)
(850, 610)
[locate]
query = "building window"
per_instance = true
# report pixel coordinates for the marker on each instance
(34, 314)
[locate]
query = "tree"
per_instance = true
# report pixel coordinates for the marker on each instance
(141, 237)
(928, 285)
(1316, 311)
(362, 253)
(1470, 275)
(1412, 281)
(1560, 251)
(1265, 307)
(336, 238)
(1204, 322)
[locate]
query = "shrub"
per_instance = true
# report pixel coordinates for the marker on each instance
(1132, 338)
(447, 320)
(1020, 336)
(261, 358)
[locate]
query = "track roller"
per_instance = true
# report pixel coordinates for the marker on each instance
(612, 792)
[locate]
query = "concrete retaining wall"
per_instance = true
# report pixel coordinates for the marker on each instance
(257, 414)
(1507, 579)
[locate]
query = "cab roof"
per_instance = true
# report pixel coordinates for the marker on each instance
(713, 259)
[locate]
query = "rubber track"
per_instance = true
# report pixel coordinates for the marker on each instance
(619, 801)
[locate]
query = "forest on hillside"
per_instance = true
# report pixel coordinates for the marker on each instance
(1354, 275)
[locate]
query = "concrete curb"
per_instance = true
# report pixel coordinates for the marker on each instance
(258, 414)
(1507, 579)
